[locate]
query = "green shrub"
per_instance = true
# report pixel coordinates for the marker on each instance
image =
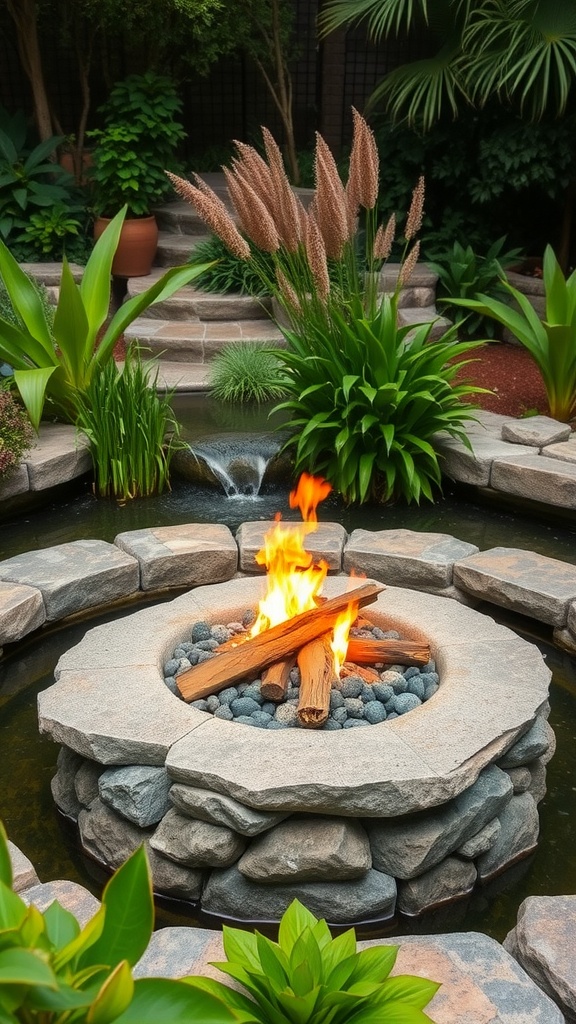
(245, 372)
(367, 397)
(16, 431)
(463, 274)
(228, 274)
(127, 424)
(551, 341)
(307, 977)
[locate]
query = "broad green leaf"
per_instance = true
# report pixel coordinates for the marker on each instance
(5, 860)
(25, 298)
(341, 948)
(129, 915)
(32, 386)
(395, 1013)
(274, 962)
(114, 996)
(71, 329)
(61, 926)
(240, 947)
(25, 967)
(13, 910)
(33, 931)
(96, 279)
(21, 349)
(77, 946)
(406, 988)
(161, 1001)
(234, 1000)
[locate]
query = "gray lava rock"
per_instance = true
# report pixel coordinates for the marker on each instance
(200, 631)
(106, 836)
(229, 893)
(449, 880)
(519, 827)
(222, 810)
(374, 712)
(404, 702)
(308, 849)
(244, 706)
(196, 843)
(137, 793)
(407, 848)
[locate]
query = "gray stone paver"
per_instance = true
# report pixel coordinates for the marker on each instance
(536, 477)
(73, 576)
(21, 611)
(181, 556)
(326, 542)
(70, 895)
(565, 451)
(60, 454)
(523, 581)
(404, 557)
(17, 482)
(535, 430)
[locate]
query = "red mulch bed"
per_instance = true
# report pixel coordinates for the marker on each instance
(513, 377)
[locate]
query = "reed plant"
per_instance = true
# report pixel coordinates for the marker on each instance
(131, 430)
(326, 261)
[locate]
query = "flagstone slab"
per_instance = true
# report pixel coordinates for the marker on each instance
(537, 431)
(326, 542)
(21, 611)
(405, 557)
(16, 482)
(74, 576)
(73, 897)
(474, 466)
(181, 556)
(543, 943)
(565, 451)
(60, 454)
(522, 581)
(23, 871)
(536, 477)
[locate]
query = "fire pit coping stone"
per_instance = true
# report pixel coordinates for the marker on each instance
(384, 770)
(326, 542)
(411, 559)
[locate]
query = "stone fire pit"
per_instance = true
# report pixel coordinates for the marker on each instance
(357, 823)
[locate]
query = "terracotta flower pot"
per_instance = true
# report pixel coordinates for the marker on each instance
(136, 248)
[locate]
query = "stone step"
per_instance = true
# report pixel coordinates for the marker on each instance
(190, 303)
(175, 250)
(198, 342)
(180, 218)
(413, 316)
(178, 376)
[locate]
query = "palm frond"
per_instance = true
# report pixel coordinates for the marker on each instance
(384, 17)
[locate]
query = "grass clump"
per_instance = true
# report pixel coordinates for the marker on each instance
(229, 274)
(131, 430)
(247, 373)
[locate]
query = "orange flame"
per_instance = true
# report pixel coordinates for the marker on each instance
(294, 581)
(339, 642)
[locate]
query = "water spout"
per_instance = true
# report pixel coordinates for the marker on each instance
(238, 461)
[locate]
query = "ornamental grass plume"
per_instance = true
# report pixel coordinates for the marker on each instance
(255, 219)
(316, 254)
(416, 211)
(208, 207)
(330, 206)
(384, 239)
(409, 264)
(362, 186)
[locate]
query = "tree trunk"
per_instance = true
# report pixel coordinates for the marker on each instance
(25, 16)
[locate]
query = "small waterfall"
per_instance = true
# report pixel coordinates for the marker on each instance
(238, 461)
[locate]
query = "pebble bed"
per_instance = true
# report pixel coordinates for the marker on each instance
(353, 702)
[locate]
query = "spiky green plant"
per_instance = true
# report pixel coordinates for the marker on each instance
(367, 398)
(228, 274)
(245, 372)
(307, 977)
(131, 430)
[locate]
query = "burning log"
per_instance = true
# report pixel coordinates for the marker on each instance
(365, 651)
(272, 645)
(276, 679)
(369, 675)
(316, 664)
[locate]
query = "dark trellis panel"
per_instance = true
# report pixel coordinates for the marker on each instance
(232, 101)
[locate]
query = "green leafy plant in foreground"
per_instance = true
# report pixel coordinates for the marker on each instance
(307, 977)
(57, 361)
(367, 397)
(246, 372)
(131, 429)
(54, 972)
(551, 341)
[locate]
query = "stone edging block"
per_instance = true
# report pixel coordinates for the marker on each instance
(405, 557)
(327, 542)
(21, 611)
(181, 556)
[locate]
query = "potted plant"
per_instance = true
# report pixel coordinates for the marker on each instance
(133, 150)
